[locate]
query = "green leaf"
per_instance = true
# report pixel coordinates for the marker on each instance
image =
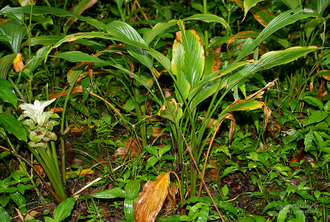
(304, 194)
(37, 60)
(208, 18)
(319, 141)
(109, 194)
(151, 162)
(16, 32)
(4, 200)
(7, 93)
(225, 190)
(6, 63)
(226, 206)
(152, 150)
(157, 29)
(182, 85)
(203, 214)
(4, 216)
(320, 5)
(129, 209)
(229, 170)
(77, 56)
(283, 213)
(171, 111)
(275, 204)
(132, 189)
(122, 31)
(283, 19)
(292, 3)
(194, 58)
(317, 116)
(205, 200)
(41, 10)
(175, 218)
(299, 213)
(63, 210)
(308, 141)
(164, 150)
(313, 101)
(18, 199)
(13, 126)
(248, 4)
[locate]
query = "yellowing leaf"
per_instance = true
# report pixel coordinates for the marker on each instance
(151, 200)
(83, 172)
(18, 62)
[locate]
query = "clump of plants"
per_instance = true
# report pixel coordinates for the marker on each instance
(189, 111)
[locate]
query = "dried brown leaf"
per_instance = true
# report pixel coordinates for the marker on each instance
(171, 198)
(151, 199)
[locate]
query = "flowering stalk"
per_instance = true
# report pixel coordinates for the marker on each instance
(39, 125)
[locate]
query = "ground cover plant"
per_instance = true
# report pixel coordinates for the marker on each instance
(164, 111)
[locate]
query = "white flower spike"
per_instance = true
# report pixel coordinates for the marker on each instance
(35, 111)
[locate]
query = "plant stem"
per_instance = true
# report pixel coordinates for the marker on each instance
(206, 32)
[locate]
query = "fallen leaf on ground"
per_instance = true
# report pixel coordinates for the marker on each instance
(151, 199)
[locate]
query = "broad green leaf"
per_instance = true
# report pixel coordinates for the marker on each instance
(13, 126)
(152, 150)
(74, 73)
(227, 207)
(37, 60)
(164, 150)
(19, 199)
(200, 93)
(308, 141)
(16, 32)
(63, 210)
(283, 19)
(194, 58)
(157, 29)
(4, 216)
(320, 5)
(269, 60)
(121, 30)
(129, 209)
(208, 18)
(299, 213)
(43, 40)
(151, 162)
(313, 101)
(182, 86)
(276, 205)
(7, 93)
(229, 170)
(132, 189)
(6, 62)
(248, 4)
(41, 10)
(292, 4)
(310, 26)
(317, 116)
(304, 194)
(283, 213)
(172, 111)
(203, 214)
(4, 200)
(77, 56)
(319, 141)
(109, 194)
(161, 58)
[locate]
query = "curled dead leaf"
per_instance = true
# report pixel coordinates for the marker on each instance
(151, 199)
